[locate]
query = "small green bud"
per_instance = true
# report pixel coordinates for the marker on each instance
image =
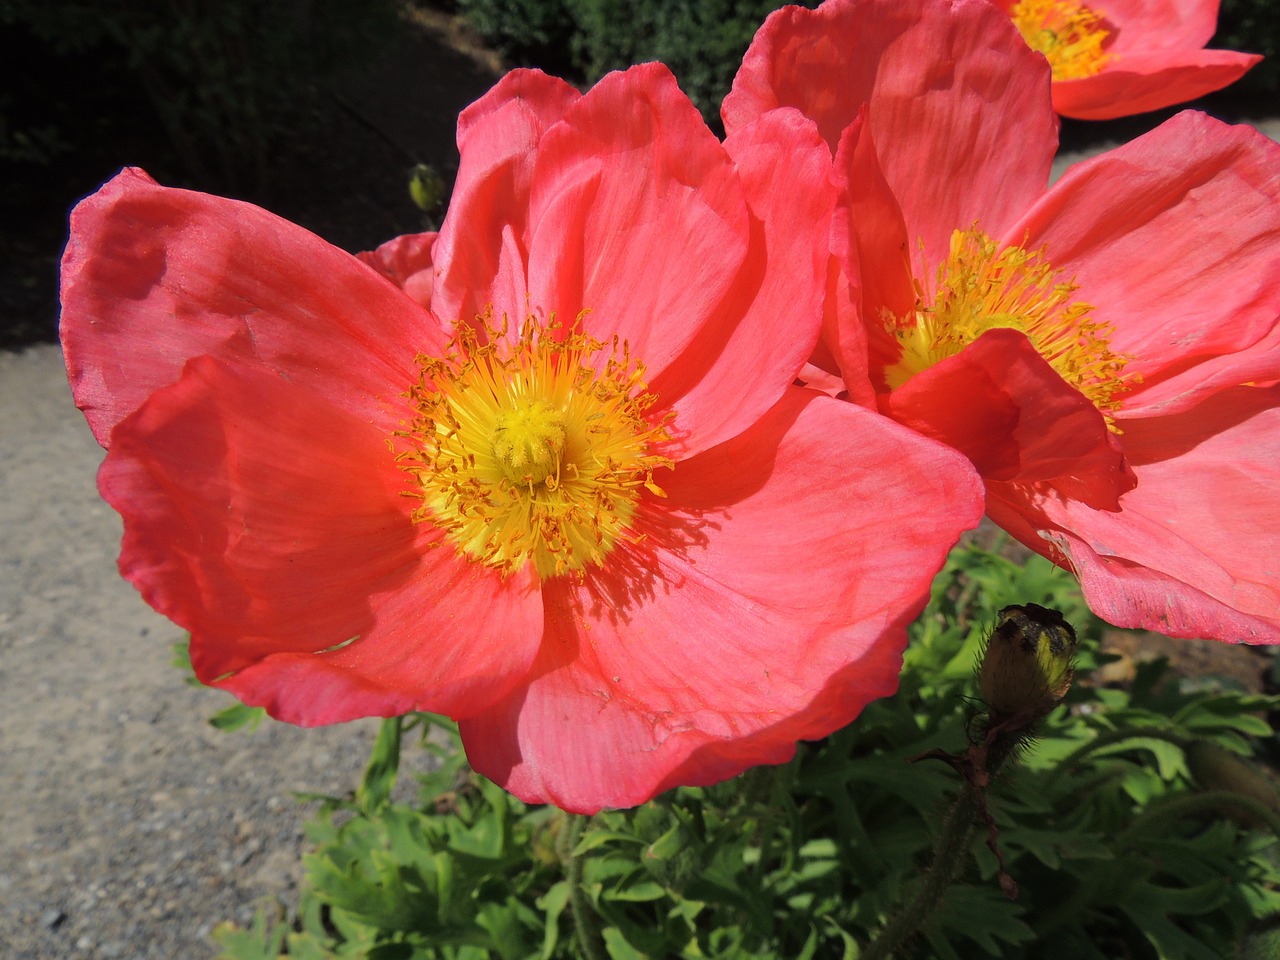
(426, 187)
(1027, 666)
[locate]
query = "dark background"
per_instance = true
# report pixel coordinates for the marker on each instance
(319, 109)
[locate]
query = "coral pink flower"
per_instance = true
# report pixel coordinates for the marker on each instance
(578, 504)
(1114, 58)
(1106, 353)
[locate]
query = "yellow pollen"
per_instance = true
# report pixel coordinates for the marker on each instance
(1069, 34)
(528, 441)
(984, 287)
(532, 449)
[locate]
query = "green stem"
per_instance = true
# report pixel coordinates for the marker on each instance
(948, 858)
(583, 922)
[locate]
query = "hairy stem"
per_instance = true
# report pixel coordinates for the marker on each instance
(948, 858)
(583, 919)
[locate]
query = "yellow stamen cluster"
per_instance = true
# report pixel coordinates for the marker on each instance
(985, 287)
(1069, 34)
(532, 448)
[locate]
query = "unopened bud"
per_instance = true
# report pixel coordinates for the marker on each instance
(426, 187)
(1027, 666)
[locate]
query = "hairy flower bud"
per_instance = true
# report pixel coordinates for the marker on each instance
(1027, 666)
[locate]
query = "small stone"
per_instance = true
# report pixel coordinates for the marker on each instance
(52, 919)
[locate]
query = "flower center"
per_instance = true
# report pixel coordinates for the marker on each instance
(1069, 34)
(532, 450)
(984, 287)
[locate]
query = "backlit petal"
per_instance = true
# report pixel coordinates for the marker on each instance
(1149, 80)
(153, 276)
(1175, 239)
(954, 96)
(769, 324)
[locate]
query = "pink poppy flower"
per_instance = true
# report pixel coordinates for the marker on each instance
(577, 504)
(1114, 58)
(1106, 352)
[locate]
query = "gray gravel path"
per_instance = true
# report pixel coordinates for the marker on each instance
(131, 827)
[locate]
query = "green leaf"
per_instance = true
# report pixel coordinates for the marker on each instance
(618, 947)
(383, 767)
(238, 717)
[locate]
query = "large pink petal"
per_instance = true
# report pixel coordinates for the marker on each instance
(1159, 25)
(636, 216)
(770, 607)
(1149, 80)
(1194, 550)
(481, 257)
(1175, 239)
(870, 242)
(1002, 405)
(769, 323)
(153, 276)
(407, 262)
(274, 526)
(958, 104)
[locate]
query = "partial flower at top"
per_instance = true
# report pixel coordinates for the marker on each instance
(1105, 352)
(1114, 58)
(576, 504)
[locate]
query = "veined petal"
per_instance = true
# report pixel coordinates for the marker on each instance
(636, 216)
(153, 276)
(1206, 196)
(1149, 80)
(1194, 550)
(779, 586)
(482, 255)
(870, 242)
(1160, 25)
(957, 102)
(770, 322)
(271, 524)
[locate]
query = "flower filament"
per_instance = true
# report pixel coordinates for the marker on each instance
(532, 448)
(1069, 34)
(982, 287)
